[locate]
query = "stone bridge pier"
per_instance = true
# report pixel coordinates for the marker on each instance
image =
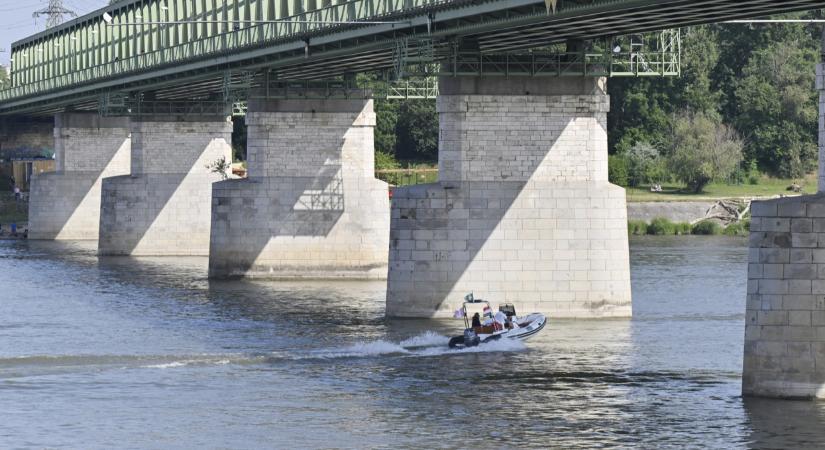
(522, 212)
(311, 207)
(785, 318)
(65, 204)
(162, 208)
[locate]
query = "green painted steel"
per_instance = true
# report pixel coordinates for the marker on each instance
(85, 58)
(88, 48)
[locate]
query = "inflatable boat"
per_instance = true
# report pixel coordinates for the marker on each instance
(486, 327)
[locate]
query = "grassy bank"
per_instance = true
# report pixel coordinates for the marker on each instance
(766, 187)
(664, 227)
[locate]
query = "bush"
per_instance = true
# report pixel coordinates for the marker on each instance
(707, 228)
(617, 170)
(681, 229)
(661, 226)
(738, 229)
(642, 159)
(703, 150)
(637, 227)
(753, 173)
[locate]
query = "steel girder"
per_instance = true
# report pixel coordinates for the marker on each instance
(496, 26)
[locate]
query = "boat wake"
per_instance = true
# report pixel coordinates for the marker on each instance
(424, 345)
(427, 344)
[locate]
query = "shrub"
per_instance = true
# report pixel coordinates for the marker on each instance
(641, 159)
(637, 227)
(703, 150)
(741, 228)
(617, 170)
(706, 227)
(660, 227)
(753, 173)
(681, 228)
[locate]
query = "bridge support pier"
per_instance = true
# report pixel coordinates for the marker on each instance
(311, 207)
(522, 212)
(88, 148)
(785, 318)
(163, 207)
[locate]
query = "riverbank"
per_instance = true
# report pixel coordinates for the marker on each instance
(12, 212)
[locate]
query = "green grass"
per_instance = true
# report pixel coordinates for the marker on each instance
(416, 173)
(767, 187)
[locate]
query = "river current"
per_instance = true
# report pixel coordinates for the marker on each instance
(148, 353)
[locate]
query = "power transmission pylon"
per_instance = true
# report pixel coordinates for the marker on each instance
(55, 13)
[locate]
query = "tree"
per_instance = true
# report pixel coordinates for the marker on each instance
(386, 117)
(642, 159)
(417, 131)
(777, 108)
(642, 108)
(703, 150)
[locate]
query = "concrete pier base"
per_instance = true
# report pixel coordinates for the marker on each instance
(163, 207)
(311, 207)
(522, 213)
(785, 318)
(88, 148)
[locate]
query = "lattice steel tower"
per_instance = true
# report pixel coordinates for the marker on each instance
(55, 13)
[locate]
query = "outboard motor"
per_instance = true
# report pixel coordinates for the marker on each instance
(508, 309)
(471, 339)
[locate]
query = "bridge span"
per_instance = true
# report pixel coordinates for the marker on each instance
(142, 92)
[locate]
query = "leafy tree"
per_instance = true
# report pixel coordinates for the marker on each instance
(386, 112)
(703, 150)
(417, 131)
(777, 106)
(239, 134)
(617, 170)
(641, 163)
(642, 108)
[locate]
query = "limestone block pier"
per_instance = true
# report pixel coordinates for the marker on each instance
(311, 207)
(65, 204)
(785, 318)
(522, 212)
(163, 207)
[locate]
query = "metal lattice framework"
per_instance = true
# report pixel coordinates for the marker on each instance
(147, 47)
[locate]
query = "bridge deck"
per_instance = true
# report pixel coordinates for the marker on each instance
(309, 39)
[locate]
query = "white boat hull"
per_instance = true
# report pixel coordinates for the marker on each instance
(529, 326)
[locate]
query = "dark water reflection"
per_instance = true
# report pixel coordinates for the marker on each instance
(136, 353)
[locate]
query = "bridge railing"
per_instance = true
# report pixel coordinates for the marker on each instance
(243, 36)
(547, 64)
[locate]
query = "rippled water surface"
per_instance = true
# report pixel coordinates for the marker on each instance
(136, 353)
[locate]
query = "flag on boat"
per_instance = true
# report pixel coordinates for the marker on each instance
(459, 313)
(488, 312)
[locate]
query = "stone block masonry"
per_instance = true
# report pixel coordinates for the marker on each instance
(88, 148)
(785, 318)
(522, 213)
(311, 207)
(163, 207)
(785, 313)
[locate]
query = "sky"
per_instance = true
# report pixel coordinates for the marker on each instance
(16, 21)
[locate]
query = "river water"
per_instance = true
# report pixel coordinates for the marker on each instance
(148, 353)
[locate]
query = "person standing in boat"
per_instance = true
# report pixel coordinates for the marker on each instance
(499, 320)
(476, 320)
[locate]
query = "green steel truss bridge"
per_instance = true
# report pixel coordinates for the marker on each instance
(180, 56)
